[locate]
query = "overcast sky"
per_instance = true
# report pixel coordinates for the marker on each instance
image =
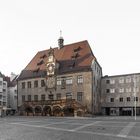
(112, 28)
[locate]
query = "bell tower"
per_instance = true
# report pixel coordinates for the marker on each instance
(60, 41)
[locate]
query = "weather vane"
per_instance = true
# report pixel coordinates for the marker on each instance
(60, 33)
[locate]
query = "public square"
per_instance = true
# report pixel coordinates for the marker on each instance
(69, 128)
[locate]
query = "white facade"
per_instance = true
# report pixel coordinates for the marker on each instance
(12, 93)
(120, 96)
(12, 97)
(3, 95)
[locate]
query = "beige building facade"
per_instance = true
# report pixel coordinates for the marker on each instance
(63, 81)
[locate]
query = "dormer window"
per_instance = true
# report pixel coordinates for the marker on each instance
(43, 56)
(40, 63)
(75, 55)
(77, 49)
(36, 70)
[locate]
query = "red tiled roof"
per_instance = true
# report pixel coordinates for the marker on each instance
(80, 50)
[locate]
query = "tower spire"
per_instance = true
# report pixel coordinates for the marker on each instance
(60, 41)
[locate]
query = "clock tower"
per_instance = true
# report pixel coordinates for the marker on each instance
(50, 68)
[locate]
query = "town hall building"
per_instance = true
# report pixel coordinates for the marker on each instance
(61, 81)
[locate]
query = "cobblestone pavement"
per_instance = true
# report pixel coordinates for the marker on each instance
(68, 128)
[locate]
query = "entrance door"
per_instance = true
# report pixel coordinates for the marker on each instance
(107, 111)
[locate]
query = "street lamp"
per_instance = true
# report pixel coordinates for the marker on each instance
(135, 102)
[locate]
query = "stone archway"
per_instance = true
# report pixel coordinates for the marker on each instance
(47, 111)
(38, 111)
(29, 111)
(57, 111)
(68, 111)
(80, 113)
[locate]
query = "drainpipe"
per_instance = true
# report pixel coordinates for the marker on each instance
(17, 97)
(92, 90)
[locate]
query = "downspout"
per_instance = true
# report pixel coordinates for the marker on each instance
(17, 97)
(92, 89)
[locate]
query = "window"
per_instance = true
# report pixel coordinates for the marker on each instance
(42, 83)
(36, 83)
(112, 81)
(136, 99)
(29, 97)
(79, 79)
(0, 83)
(111, 99)
(121, 90)
(121, 99)
(128, 89)
(23, 98)
(59, 81)
(0, 96)
(4, 90)
(58, 96)
(128, 80)
(112, 90)
(23, 85)
(50, 97)
(69, 80)
(29, 84)
(43, 97)
(63, 86)
(136, 89)
(15, 97)
(4, 83)
(121, 80)
(136, 79)
(107, 90)
(94, 80)
(36, 97)
(97, 69)
(4, 103)
(128, 99)
(79, 96)
(69, 95)
(107, 81)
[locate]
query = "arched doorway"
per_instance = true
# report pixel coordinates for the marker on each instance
(80, 113)
(47, 111)
(57, 111)
(38, 111)
(22, 110)
(29, 111)
(68, 111)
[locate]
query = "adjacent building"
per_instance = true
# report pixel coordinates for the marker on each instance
(121, 94)
(12, 93)
(61, 81)
(3, 94)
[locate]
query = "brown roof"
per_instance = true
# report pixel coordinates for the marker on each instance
(71, 58)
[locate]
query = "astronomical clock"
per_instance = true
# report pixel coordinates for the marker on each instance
(51, 82)
(50, 68)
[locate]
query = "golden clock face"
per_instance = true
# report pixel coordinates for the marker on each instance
(51, 82)
(50, 59)
(50, 68)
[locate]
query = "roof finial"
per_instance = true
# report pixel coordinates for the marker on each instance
(60, 33)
